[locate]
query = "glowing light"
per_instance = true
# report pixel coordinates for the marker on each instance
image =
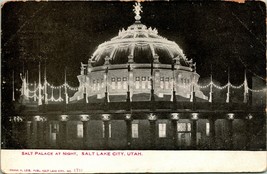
(64, 117)
(17, 119)
(37, 118)
(152, 117)
(84, 117)
(128, 116)
(194, 116)
(175, 116)
(230, 116)
(249, 117)
(105, 117)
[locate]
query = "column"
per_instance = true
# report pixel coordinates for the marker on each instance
(63, 131)
(55, 134)
(85, 118)
(34, 131)
(62, 134)
(39, 134)
(194, 119)
(152, 129)
(174, 133)
(13, 133)
(85, 134)
(106, 134)
(174, 120)
(19, 134)
(28, 125)
(230, 120)
(45, 133)
(212, 139)
(194, 134)
(248, 134)
(248, 131)
(128, 121)
(106, 122)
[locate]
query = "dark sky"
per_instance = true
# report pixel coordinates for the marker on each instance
(221, 34)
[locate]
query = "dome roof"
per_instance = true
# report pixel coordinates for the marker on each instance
(141, 45)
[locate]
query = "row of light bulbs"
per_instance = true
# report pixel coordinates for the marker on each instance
(107, 117)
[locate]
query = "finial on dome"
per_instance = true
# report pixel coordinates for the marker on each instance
(137, 10)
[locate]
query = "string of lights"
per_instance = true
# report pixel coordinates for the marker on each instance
(90, 87)
(236, 87)
(59, 99)
(220, 87)
(256, 90)
(203, 86)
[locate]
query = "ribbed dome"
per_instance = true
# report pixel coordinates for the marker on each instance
(141, 45)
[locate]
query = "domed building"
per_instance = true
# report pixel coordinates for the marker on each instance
(137, 91)
(137, 61)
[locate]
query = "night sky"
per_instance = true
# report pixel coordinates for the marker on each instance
(217, 34)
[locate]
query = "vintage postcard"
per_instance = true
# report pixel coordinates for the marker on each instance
(96, 87)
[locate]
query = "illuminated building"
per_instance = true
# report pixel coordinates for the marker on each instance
(137, 91)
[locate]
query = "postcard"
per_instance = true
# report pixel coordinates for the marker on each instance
(108, 87)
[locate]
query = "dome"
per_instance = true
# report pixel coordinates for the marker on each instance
(138, 44)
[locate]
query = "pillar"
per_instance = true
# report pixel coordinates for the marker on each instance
(230, 133)
(28, 125)
(152, 130)
(174, 133)
(106, 134)
(85, 133)
(106, 122)
(35, 131)
(129, 131)
(19, 133)
(194, 134)
(54, 130)
(212, 139)
(13, 133)
(194, 119)
(152, 134)
(39, 135)
(45, 133)
(62, 134)
(248, 131)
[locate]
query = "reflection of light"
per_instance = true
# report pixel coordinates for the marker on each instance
(249, 117)
(84, 117)
(194, 116)
(64, 117)
(175, 116)
(230, 116)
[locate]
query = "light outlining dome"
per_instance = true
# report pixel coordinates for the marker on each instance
(139, 44)
(137, 65)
